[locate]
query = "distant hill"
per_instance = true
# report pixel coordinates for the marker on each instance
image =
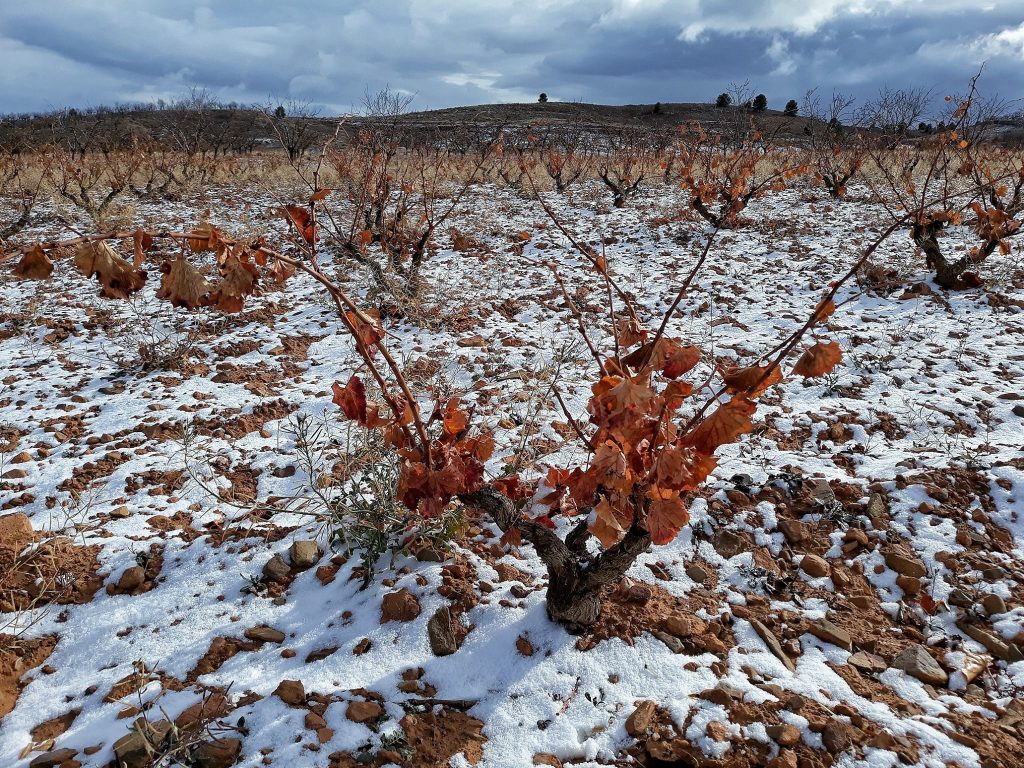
(239, 129)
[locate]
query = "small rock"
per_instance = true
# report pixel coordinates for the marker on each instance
(684, 626)
(441, 633)
(276, 569)
(821, 491)
(905, 564)
(52, 759)
(856, 536)
(993, 644)
(1018, 410)
(697, 573)
(917, 662)
(876, 506)
(472, 341)
(545, 758)
(641, 719)
(993, 604)
(120, 513)
(868, 663)
(15, 532)
(671, 642)
(508, 572)
(264, 634)
(291, 692)
(825, 630)
(314, 721)
(814, 566)
(794, 530)
(785, 759)
(364, 711)
(716, 731)
(219, 753)
(319, 654)
(133, 749)
(784, 734)
(304, 553)
(838, 736)
(882, 740)
(399, 606)
(132, 578)
(911, 585)
(960, 598)
(15, 474)
(728, 544)
(524, 646)
(639, 594)
(712, 644)
(773, 644)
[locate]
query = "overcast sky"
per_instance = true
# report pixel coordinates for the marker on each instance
(57, 53)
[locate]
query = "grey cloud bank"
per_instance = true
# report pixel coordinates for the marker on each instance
(58, 53)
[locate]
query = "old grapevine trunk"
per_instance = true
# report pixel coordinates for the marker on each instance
(576, 579)
(947, 273)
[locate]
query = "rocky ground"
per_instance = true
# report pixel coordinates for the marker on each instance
(849, 591)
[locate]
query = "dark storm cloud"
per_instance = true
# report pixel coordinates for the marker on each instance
(60, 52)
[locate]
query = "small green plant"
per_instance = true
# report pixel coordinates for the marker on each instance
(357, 501)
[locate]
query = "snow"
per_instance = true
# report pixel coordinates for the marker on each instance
(924, 363)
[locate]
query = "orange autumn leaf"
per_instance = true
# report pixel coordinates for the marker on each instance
(608, 467)
(666, 355)
(455, 419)
(818, 360)
(629, 332)
(351, 399)
(666, 515)
(682, 469)
(34, 265)
(142, 241)
(118, 279)
(482, 447)
(750, 380)
(206, 240)
(367, 332)
(183, 285)
(679, 359)
(824, 310)
(609, 523)
(238, 281)
(303, 221)
(615, 395)
(723, 426)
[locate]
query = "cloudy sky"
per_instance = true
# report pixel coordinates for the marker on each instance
(57, 53)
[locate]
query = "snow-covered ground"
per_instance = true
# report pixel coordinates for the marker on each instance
(914, 444)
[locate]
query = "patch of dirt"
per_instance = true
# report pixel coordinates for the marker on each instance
(630, 610)
(159, 482)
(57, 572)
(16, 658)
(436, 737)
(54, 727)
(221, 649)
(222, 425)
